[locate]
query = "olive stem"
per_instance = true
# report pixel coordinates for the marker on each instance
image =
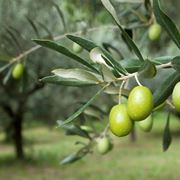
(137, 80)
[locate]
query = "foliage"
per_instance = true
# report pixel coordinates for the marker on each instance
(106, 66)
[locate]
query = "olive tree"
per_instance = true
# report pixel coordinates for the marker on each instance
(113, 75)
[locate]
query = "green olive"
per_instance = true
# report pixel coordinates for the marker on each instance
(146, 124)
(103, 145)
(18, 71)
(154, 32)
(176, 96)
(77, 48)
(140, 103)
(120, 122)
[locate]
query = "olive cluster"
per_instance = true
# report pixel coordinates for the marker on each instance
(138, 109)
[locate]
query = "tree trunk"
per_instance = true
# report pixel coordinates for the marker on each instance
(17, 137)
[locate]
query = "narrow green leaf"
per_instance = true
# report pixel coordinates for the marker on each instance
(167, 135)
(166, 23)
(86, 44)
(164, 89)
(66, 81)
(78, 74)
(15, 39)
(176, 63)
(59, 48)
(50, 36)
(77, 113)
(76, 156)
(33, 25)
(162, 60)
(129, 41)
(72, 129)
(70, 159)
(61, 15)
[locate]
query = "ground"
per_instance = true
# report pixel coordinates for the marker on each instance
(143, 160)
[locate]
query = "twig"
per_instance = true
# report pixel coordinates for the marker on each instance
(137, 80)
(167, 65)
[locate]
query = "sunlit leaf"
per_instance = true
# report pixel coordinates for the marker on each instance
(66, 81)
(78, 74)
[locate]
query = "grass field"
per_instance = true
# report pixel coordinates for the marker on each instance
(143, 160)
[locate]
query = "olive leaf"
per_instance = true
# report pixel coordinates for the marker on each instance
(167, 134)
(126, 36)
(66, 81)
(131, 65)
(72, 129)
(70, 159)
(78, 74)
(59, 48)
(162, 60)
(166, 23)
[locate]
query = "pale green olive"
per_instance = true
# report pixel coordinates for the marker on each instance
(140, 103)
(120, 122)
(103, 145)
(18, 71)
(146, 124)
(154, 32)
